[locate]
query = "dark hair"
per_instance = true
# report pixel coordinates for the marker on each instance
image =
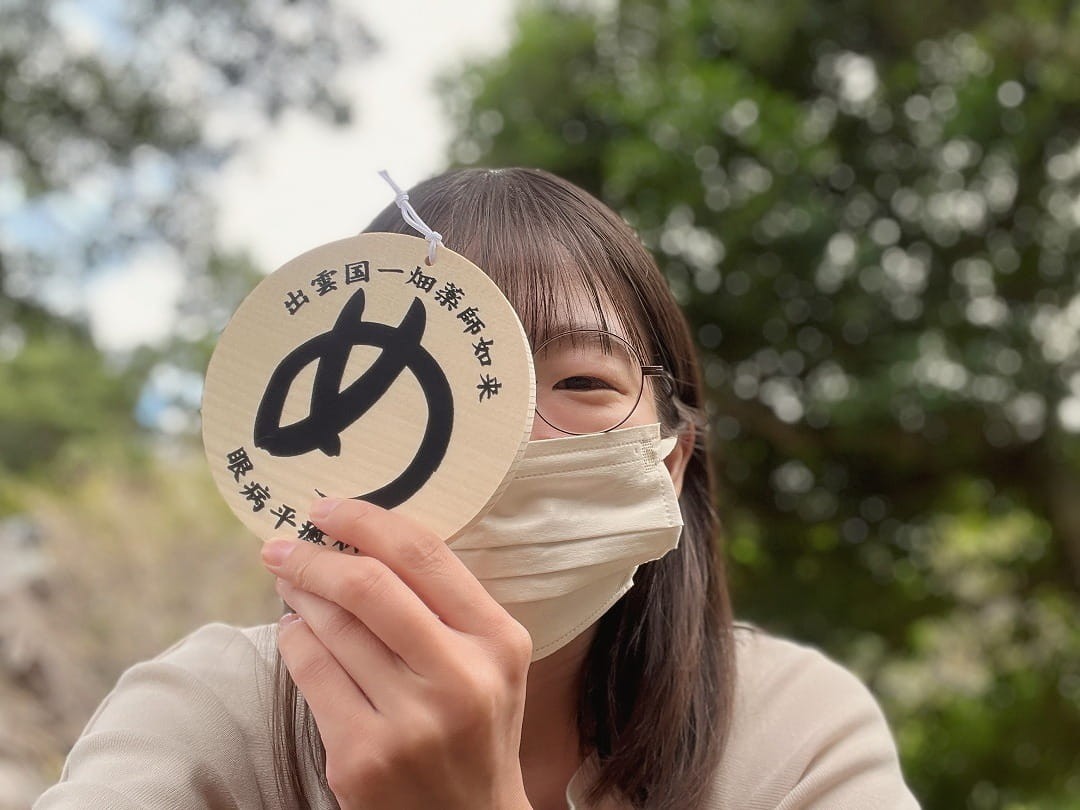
(658, 679)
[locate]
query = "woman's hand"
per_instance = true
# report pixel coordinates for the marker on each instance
(414, 674)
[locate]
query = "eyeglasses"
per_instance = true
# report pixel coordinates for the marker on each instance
(589, 381)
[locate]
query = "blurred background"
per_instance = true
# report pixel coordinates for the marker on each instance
(869, 209)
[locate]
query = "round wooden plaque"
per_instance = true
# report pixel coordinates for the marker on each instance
(356, 370)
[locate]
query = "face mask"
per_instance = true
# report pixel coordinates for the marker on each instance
(562, 543)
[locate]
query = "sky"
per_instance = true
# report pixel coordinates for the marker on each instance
(305, 183)
(399, 127)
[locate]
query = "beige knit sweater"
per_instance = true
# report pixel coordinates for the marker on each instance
(190, 729)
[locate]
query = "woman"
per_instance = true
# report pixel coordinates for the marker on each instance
(399, 681)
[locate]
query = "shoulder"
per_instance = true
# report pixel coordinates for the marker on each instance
(216, 649)
(806, 733)
(771, 669)
(218, 665)
(192, 722)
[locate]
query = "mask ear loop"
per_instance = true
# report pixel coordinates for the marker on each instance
(665, 377)
(666, 446)
(408, 213)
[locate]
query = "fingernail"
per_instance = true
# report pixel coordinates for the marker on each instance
(290, 618)
(322, 508)
(275, 552)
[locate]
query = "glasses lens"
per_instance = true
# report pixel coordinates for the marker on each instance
(586, 381)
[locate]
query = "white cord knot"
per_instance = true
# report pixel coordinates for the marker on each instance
(408, 213)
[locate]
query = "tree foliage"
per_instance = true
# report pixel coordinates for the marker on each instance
(114, 117)
(871, 212)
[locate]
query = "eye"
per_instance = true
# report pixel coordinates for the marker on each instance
(582, 383)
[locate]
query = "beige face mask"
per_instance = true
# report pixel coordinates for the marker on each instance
(562, 543)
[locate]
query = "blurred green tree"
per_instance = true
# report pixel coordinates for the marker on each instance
(871, 212)
(113, 118)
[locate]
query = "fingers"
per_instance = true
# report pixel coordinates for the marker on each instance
(363, 656)
(337, 703)
(421, 559)
(372, 593)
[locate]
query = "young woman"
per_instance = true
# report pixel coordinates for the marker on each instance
(400, 679)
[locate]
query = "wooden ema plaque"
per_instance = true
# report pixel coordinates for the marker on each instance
(357, 370)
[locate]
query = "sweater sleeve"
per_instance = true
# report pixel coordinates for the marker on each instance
(189, 729)
(806, 735)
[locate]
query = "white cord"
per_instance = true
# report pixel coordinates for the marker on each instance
(408, 213)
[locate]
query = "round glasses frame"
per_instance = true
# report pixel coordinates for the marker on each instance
(646, 371)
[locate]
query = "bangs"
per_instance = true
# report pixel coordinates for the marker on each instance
(561, 258)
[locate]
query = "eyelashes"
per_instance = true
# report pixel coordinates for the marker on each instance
(582, 383)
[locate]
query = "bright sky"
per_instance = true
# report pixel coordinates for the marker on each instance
(304, 183)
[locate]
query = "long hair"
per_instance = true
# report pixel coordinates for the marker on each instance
(658, 679)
